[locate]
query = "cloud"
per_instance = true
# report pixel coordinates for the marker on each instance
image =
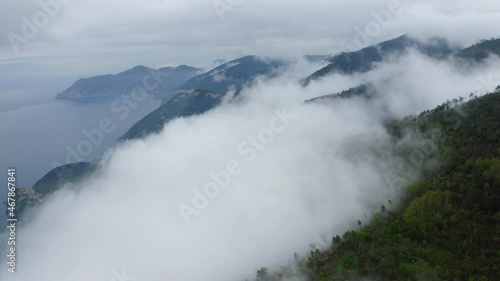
(414, 82)
(314, 179)
(291, 189)
(318, 174)
(101, 37)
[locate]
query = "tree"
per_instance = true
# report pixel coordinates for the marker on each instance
(337, 240)
(262, 274)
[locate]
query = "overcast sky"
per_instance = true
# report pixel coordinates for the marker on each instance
(324, 179)
(82, 38)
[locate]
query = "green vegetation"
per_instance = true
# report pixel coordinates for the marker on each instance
(481, 50)
(366, 91)
(447, 227)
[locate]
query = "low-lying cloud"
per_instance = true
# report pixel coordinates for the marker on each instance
(315, 177)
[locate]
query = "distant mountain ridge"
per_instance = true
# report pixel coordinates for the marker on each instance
(204, 92)
(66, 174)
(183, 105)
(363, 60)
(154, 81)
(480, 51)
(198, 101)
(364, 91)
(233, 75)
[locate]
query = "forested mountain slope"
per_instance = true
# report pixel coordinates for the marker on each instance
(447, 226)
(363, 60)
(182, 105)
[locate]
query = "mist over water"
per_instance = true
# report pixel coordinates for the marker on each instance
(36, 137)
(292, 190)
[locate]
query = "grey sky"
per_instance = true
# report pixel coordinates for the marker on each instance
(90, 37)
(325, 180)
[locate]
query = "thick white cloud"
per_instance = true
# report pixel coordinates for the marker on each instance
(314, 179)
(297, 187)
(323, 169)
(129, 216)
